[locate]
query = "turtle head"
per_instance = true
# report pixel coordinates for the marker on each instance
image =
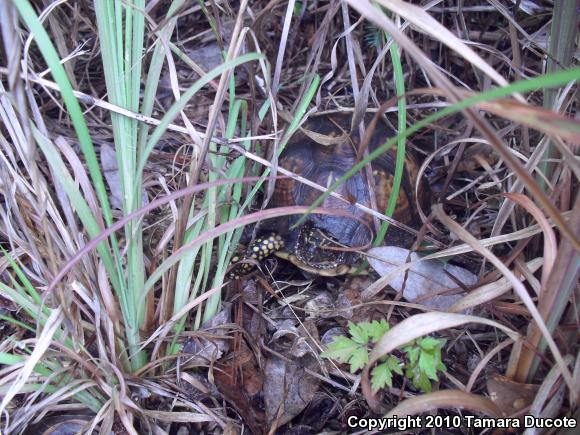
(312, 253)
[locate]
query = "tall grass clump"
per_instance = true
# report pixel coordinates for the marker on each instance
(108, 305)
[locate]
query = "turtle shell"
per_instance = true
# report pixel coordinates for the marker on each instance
(324, 164)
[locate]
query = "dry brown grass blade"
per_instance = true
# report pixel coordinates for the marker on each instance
(44, 340)
(516, 284)
(550, 243)
(178, 417)
(546, 391)
(491, 291)
(538, 118)
(105, 291)
(484, 361)
(371, 13)
(282, 47)
(560, 286)
(426, 23)
(447, 399)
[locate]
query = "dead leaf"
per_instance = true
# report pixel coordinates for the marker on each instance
(211, 346)
(239, 381)
(426, 280)
(232, 392)
(288, 388)
(510, 396)
(59, 425)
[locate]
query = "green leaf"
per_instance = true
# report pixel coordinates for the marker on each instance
(381, 376)
(422, 382)
(359, 358)
(359, 332)
(378, 329)
(297, 9)
(427, 365)
(395, 365)
(341, 349)
(412, 354)
(428, 343)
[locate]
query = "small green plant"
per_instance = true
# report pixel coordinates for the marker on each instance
(421, 362)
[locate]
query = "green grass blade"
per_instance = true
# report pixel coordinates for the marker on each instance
(402, 121)
(71, 103)
(181, 103)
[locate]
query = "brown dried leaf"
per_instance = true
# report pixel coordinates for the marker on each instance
(240, 390)
(510, 396)
(288, 388)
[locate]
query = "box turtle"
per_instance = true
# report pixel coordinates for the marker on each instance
(323, 153)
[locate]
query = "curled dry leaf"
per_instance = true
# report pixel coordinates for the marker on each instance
(426, 279)
(288, 389)
(510, 396)
(239, 380)
(203, 350)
